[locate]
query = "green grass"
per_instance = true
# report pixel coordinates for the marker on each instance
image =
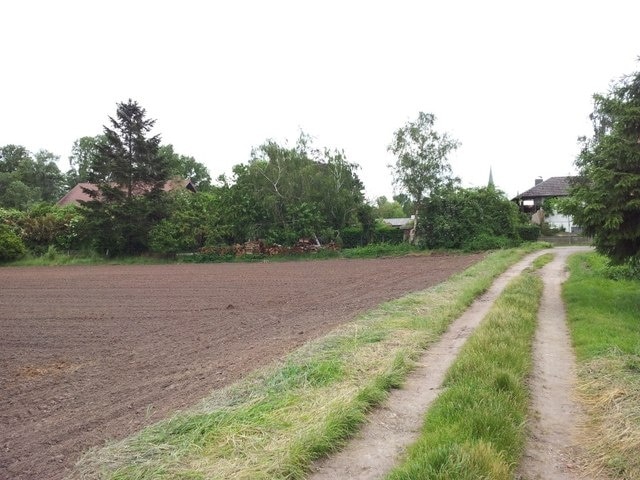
(542, 260)
(53, 257)
(276, 422)
(379, 250)
(604, 318)
(475, 428)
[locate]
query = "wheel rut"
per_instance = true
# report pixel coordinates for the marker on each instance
(393, 426)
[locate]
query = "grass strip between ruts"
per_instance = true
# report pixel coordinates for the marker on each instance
(475, 429)
(276, 422)
(604, 319)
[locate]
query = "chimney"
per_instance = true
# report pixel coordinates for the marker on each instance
(538, 180)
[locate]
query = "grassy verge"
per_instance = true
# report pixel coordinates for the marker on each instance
(604, 318)
(475, 428)
(53, 257)
(273, 424)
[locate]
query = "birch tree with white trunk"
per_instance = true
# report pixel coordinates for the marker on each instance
(422, 165)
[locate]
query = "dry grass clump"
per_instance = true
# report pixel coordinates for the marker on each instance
(610, 392)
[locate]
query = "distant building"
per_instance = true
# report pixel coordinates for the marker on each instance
(532, 201)
(79, 192)
(404, 224)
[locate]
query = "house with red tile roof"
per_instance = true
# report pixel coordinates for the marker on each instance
(80, 191)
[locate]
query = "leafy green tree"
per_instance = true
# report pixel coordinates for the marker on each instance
(130, 175)
(47, 177)
(11, 247)
(12, 157)
(421, 152)
(605, 198)
(285, 193)
(465, 218)
(404, 200)
(186, 167)
(386, 209)
(15, 194)
(27, 179)
(194, 221)
(84, 154)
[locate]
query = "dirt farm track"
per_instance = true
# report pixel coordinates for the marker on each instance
(89, 354)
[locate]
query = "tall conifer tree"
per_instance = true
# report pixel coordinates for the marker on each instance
(130, 174)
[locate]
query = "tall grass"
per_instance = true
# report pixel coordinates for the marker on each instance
(604, 318)
(276, 422)
(54, 257)
(475, 428)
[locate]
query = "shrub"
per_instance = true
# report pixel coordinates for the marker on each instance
(389, 235)
(11, 247)
(528, 233)
(487, 242)
(352, 237)
(455, 218)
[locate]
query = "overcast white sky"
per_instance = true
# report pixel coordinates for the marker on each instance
(512, 80)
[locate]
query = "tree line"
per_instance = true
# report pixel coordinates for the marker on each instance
(281, 194)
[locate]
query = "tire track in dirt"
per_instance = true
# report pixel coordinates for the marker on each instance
(554, 413)
(393, 426)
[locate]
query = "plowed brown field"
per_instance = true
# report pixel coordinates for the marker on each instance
(90, 354)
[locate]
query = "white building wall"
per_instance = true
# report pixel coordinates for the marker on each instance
(560, 221)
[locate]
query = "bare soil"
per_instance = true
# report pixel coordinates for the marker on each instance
(91, 354)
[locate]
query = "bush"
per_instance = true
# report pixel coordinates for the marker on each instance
(625, 271)
(528, 233)
(389, 235)
(351, 237)
(11, 247)
(354, 237)
(461, 217)
(487, 242)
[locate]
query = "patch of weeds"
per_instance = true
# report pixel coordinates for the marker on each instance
(542, 260)
(475, 428)
(603, 319)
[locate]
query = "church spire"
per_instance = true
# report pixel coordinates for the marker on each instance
(490, 184)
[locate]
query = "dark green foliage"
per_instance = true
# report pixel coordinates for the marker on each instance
(185, 167)
(27, 179)
(11, 247)
(385, 234)
(193, 222)
(284, 194)
(486, 241)
(84, 154)
(386, 209)
(43, 226)
(127, 161)
(354, 237)
(130, 175)
(468, 218)
(528, 232)
(47, 225)
(605, 199)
